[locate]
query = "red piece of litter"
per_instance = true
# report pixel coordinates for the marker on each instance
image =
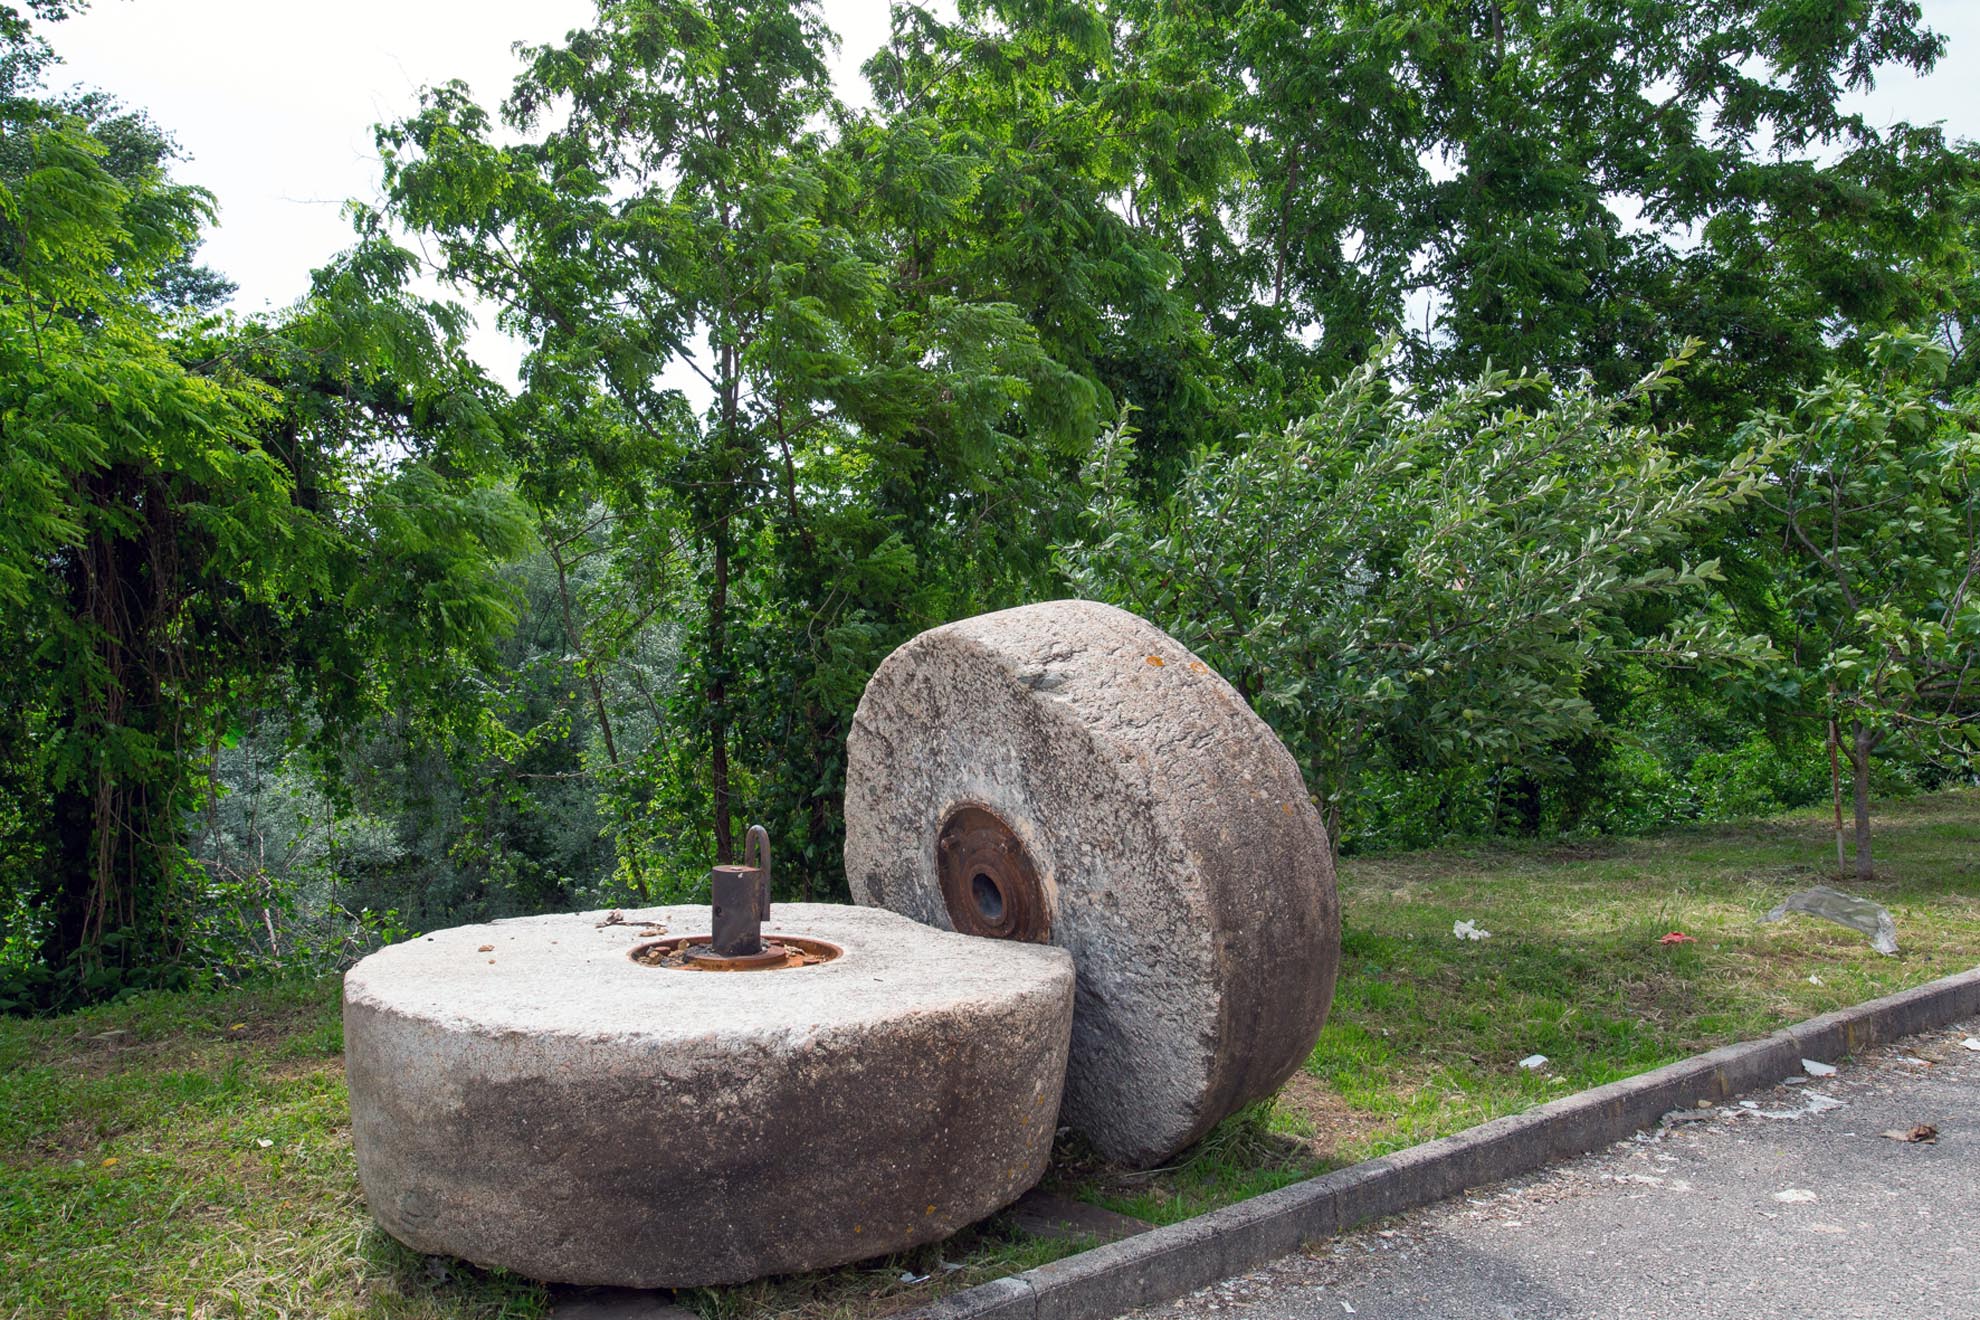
(1677, 937)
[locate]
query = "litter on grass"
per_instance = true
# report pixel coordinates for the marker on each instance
(1533, 1061)
(1859, 914)
(1466, 930)
(1676, 937)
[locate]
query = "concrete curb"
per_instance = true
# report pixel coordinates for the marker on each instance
(1167, 1262)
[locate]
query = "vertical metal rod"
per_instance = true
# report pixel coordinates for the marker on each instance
(756, 853)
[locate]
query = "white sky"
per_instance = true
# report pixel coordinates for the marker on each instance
(273, 100)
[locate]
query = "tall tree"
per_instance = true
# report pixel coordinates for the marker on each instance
(193, 514)
(1565, 187)
(1084, 146)
(880, 430)
(1876, 505)
(666, 225)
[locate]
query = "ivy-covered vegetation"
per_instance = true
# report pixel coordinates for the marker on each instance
(1551, 417)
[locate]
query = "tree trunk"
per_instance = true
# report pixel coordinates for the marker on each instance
(718, 698)
(574, 641)
(729, 372)
(67, 882)
(1835, 791)
(1861, 743)
(112, 828)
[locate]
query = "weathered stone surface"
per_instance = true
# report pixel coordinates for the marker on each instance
(549, 1106)
(1177, 855)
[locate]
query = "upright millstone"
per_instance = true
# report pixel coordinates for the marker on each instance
(1068, 773)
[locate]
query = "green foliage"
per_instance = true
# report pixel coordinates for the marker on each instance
(1876, 498)
(1434, 583)
(1876, 504)
(24, 53)
(681, 196)
(135, 490)
(200, 518)
(311, 633)
(1561, 187)
(902, 354)
(1034, 154)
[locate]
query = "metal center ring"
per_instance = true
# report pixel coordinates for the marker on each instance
(988, 881)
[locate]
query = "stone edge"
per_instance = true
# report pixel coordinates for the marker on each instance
(1168, 1262)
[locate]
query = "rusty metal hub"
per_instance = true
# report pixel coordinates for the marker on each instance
(988, 880)
(693, 953)
(739, 904)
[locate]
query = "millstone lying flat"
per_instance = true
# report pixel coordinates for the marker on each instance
(1081, 778)
(554, 1108)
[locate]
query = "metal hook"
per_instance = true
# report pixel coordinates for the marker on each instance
(756, 854)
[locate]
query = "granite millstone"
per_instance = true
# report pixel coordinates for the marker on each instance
(550, 1106)
(1181, 860)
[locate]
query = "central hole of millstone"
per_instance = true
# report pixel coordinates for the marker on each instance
(779, 952)
(989, 898)
(989, 884)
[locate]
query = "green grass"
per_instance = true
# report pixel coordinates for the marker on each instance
(134, 1180)
(189, 1155)
(1427, 1030)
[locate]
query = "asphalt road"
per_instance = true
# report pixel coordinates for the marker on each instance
(1782, 1205)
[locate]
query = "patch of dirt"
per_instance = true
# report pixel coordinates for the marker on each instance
(77, 1137)
(1582, 850)
(1788, 876)
(1335, 1123)
(101, 1053)
(273, 1028)
(1657, 998)
(1391, 871)
(107, 1053)
(284, 1069)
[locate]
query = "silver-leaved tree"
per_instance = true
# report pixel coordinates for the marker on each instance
(1428, 582)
